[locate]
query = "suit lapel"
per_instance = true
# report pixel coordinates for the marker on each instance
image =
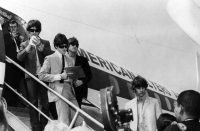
(58, 60)
(134, 108)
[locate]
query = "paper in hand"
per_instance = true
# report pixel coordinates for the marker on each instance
(77, 72)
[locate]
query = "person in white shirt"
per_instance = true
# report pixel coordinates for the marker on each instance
(146, 110)
(53, 72)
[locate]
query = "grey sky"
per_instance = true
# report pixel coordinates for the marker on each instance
(136, 34)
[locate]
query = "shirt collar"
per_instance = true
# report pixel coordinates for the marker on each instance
(59, 54)
(143, 98)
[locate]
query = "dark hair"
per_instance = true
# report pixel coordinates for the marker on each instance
(188, 100)
(164, 121)
(13, 22)
(73, 41)
(34, 23)
(138, 82)
(60, 39)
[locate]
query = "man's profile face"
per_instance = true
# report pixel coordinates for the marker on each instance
(177, 110)
(73, 48)
(140, 91)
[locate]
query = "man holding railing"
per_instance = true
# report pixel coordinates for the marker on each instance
(53, 71)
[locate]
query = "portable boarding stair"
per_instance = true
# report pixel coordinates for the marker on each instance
(18, 125)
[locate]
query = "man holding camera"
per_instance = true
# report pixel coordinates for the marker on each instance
(32, 52)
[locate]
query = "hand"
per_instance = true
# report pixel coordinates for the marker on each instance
(21, 38)
(14, 34)
(78, 83)
(28, 48)
(63, 75)
(40, 47)
(35, 41)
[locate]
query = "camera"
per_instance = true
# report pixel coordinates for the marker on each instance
(113, 118)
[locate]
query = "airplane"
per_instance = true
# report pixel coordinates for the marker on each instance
(106, 73)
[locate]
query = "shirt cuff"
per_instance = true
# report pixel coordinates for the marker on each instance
(57, 77)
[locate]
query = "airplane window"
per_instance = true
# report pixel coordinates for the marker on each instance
(157, 97)
(168, 103)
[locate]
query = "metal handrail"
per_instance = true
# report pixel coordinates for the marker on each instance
(27, 101)
(92, 103)
(57, 94)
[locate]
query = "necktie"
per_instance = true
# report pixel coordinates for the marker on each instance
(63, 66)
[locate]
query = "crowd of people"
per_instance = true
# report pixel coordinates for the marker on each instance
(37, 57)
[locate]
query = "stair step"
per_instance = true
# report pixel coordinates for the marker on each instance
(22, 114)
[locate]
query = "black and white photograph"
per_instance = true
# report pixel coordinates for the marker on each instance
(100, 65)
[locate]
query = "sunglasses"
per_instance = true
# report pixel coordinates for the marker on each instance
(74, 44)
(34, 30)
(62, 46)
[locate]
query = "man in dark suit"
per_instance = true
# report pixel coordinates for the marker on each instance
(187, 112)
(80, 85)
(12, 42)
(32, 52)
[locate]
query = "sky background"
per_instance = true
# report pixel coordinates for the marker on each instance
(138, 35)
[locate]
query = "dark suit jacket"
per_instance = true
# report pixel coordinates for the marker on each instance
(191, 126)
(30, 58)
(82, 91)
(11, 52)
(10, 47)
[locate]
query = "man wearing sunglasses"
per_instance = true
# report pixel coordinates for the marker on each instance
(32, 52)
(80, 85)
(53, 72)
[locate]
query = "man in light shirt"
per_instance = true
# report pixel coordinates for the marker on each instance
(146, 110)
(53, 71)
